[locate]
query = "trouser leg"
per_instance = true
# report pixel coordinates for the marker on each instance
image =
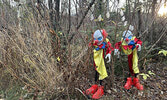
(130, 63)
(135, 63)
(96, 78)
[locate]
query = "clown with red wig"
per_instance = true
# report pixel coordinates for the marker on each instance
(130, 45)
(100, 43)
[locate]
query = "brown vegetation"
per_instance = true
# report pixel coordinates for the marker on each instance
(46, 51)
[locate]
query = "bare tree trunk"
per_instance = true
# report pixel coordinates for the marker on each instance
(100, 6)
(153, 25)
(51, 13)
(19, 15)
(108, 5)
(81, 6)
(76, 12)
(57, 16)
(128, 11)
(69, 17)
(38, 1)
(99, 11)
(139, 20)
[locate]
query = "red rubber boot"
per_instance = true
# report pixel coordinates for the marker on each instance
(137, 84)
(99, 93)
(92, 89)
(129, 83)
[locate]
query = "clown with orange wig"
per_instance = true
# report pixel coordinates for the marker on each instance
(100, 43)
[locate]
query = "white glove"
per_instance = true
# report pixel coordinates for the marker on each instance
(139, 47)
(109, 57)
(116, 52)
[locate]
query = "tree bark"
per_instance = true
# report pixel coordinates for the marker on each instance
(153, 25)
(69, 17)
(139, 22)
(51, 13)
(57, 16)
(139, 19)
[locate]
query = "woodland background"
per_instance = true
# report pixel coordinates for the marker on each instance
(44, 52)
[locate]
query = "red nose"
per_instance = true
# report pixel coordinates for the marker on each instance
(126, 39)
(96, 41)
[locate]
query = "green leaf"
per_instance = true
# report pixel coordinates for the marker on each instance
(142, 74)
(163, 51)
(58, 58)
(122, 8)
(144, 77)
(147, 75)
(114, 22)
(151, 73)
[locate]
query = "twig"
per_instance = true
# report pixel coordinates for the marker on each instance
(69, 17)
(90, 5)
(81, 92)
(154, 44)
(78, 58)
(86, 12)
(142, 33)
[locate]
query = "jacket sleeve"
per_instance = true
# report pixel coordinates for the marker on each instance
(137, 41)
(109, 48)
(117, 45)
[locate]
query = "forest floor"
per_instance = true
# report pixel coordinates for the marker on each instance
(155, 87)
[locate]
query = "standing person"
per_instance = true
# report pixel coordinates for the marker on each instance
(130, 45)
(100, 43)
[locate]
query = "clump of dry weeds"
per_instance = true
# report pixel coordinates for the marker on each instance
(31, 54)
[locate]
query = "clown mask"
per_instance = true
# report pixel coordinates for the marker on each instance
(98, 37)
(127, 36)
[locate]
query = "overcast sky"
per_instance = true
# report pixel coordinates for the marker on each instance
(13, 3)
(111, 4)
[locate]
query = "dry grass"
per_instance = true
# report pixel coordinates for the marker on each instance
(29, 55)
(25, 56)
(33, 56)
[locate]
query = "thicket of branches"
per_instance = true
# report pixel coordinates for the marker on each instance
(44, 48)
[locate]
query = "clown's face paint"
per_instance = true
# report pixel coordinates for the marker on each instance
(127, 36)
(98, 37)
(128, 39)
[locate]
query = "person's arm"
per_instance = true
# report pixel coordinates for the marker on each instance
(138, 41)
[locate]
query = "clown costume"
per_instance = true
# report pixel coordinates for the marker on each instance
(100, 43)
(130, 45)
